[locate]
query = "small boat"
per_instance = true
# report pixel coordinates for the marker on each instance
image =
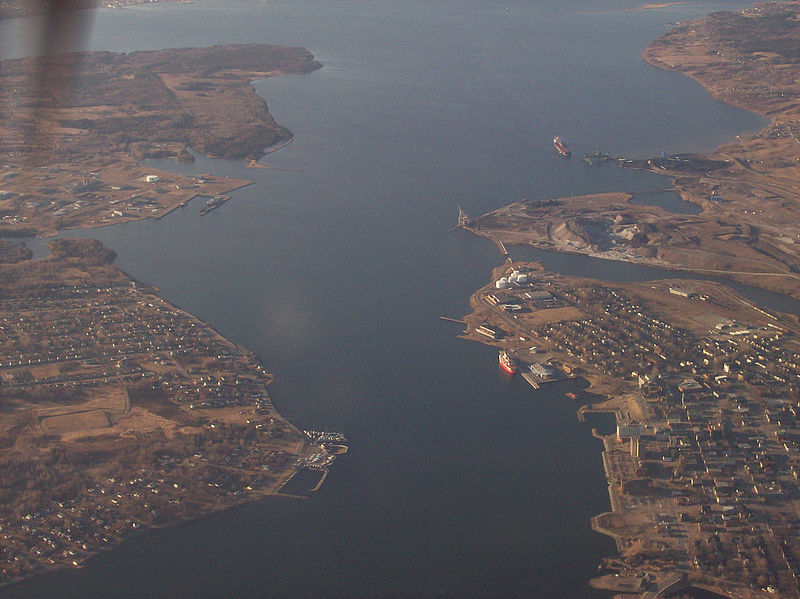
(561, 147)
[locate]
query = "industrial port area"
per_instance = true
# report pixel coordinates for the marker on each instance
(703, 468)
(704, 465)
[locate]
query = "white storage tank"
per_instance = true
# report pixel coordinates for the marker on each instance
(502, 283)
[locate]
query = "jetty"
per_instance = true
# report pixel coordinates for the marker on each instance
(449, 319)
(596, 157)
(529, 376)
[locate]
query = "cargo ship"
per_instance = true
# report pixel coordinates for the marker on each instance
(562, 149)
(213, 203)
(507, 362)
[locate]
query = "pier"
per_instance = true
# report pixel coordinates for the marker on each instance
(470, 224)
(464, 221)
(529, 376)
(322, 478)
(540, 373)
(449, 319)
(502, 247)
(275, 148)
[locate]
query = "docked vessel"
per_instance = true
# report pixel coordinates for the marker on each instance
(561, 148)
(507, 363)
(213, 203)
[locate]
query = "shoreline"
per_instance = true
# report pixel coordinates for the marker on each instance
(755, 174)
(722, 274)
(641, 489)
(19, 9)
(184, 520)
(81, 172)
(609, 227)
(268, 475)
(635, 477)
(609, 492)
(170, 210)
(299, 445)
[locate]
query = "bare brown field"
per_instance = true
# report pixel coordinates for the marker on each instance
(75, 421)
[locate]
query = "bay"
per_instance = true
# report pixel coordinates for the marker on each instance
(460, 482)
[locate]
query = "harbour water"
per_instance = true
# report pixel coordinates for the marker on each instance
(459, 482)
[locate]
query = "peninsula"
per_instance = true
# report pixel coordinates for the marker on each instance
(74, 129)
(118, 410)
(704, 464)
(747, 192)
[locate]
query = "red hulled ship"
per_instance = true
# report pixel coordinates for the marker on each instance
(507, 362)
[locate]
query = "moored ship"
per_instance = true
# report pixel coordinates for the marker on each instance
(213, 203)
(561, 148)
(507, 362)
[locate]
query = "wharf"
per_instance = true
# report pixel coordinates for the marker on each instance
(583, 410)
(597, 157)
(537, 381)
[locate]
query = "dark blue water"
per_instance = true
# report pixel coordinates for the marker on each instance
(459, 482)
